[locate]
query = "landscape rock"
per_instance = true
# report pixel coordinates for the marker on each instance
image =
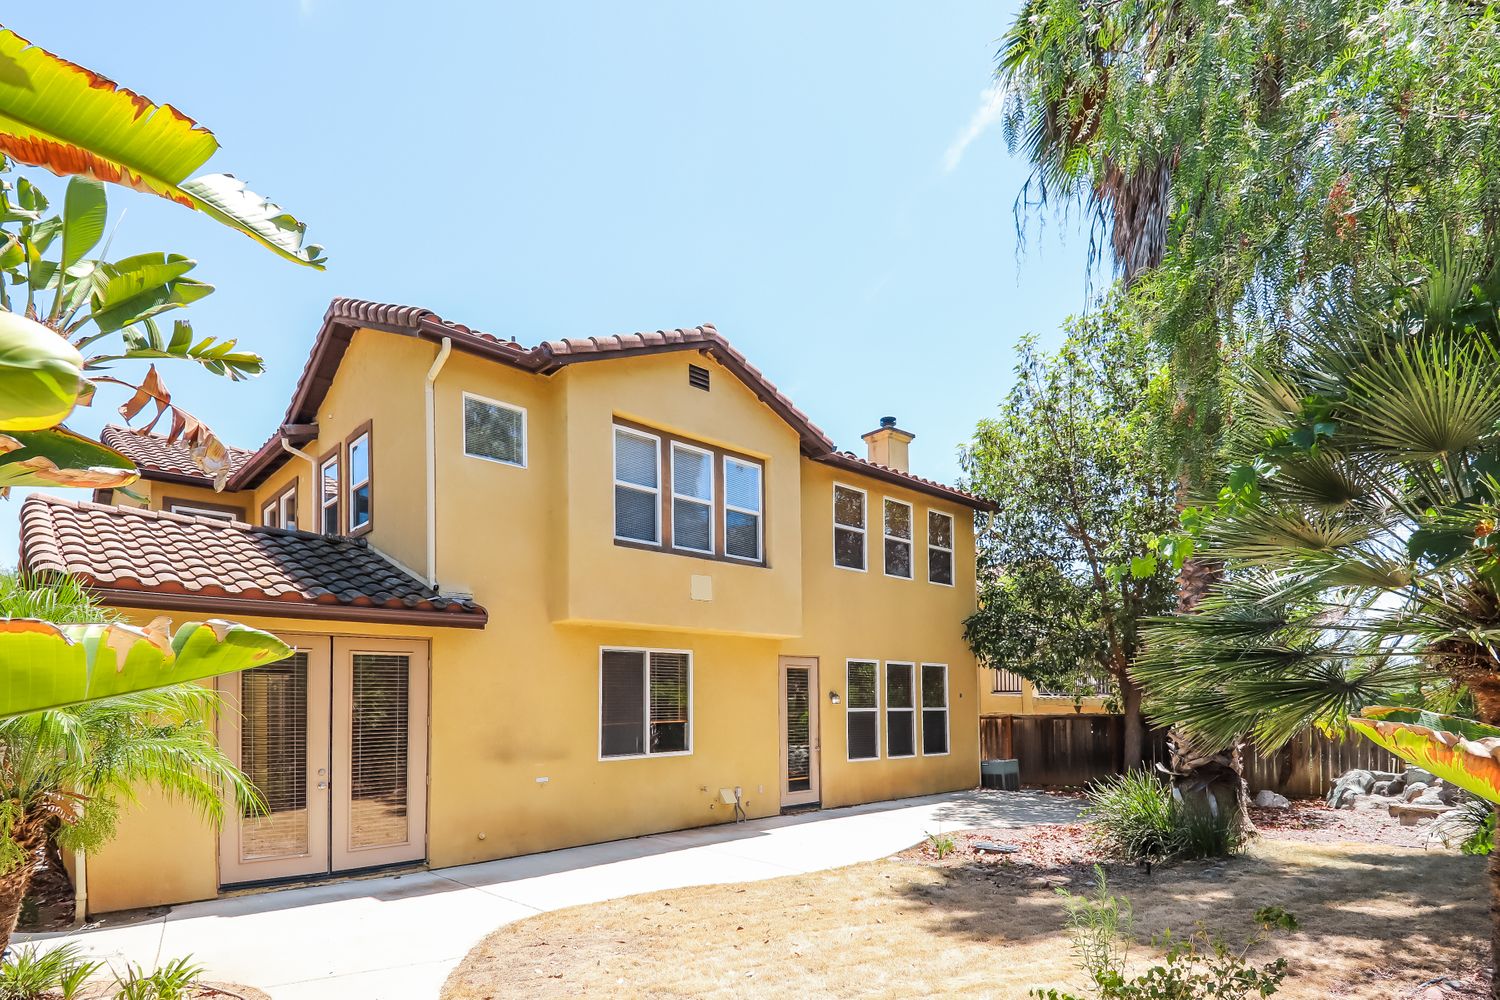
(1449, 794)
(1356, 782)
(1382, 788)
(1267, 799)
(1414, 774)
(1396, 785)
(1413, 791)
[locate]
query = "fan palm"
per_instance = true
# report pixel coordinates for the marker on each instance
(65, 773)
(1360, 555)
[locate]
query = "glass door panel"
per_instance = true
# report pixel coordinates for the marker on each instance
(799, 731)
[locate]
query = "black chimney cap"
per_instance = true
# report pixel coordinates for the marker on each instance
(887, 421)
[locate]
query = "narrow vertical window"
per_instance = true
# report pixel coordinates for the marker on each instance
(360, 499)
(645, 702)
(862, 709)
(287, 508)
(637, 486)
(268, 515)
(848, 527)
(934, 709)
(900, 711)
(692, 498)
(897, 539)
(328, 497)
(742, 505)
(940, 548)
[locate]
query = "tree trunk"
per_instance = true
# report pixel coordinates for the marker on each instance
(13, 886)
(1135, 729)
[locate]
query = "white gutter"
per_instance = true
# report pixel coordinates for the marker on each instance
(432, 374)
(314, 484)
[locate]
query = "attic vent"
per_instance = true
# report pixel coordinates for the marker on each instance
(698, 377)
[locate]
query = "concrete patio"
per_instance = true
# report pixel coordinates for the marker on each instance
(397, 937)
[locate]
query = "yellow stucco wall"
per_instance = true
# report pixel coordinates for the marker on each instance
(1029, 702)
(519, 700)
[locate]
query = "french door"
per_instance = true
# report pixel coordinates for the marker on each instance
(335, 740)
(800, 743)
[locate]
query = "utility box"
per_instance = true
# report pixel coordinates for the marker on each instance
(1002, 774)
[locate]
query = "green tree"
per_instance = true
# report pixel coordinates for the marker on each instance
(1080, 494)
(1362, 564)
(66, 772)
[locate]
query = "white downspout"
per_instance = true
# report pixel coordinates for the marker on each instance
(80, 888)
(314, 483)
(432, 374)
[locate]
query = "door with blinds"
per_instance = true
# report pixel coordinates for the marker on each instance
(335, 740)
(800, 745)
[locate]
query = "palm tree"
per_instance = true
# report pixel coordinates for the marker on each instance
(1359, 543)
(66, 772)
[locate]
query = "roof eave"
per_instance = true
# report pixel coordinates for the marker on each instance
(310, 610)
(851, 464)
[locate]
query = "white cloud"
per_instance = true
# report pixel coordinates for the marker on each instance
(987, 114)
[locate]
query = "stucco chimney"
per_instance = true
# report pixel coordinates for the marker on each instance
(888, 443)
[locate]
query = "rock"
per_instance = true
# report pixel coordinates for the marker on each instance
(1352, 781)
(1396, 785)
(1381, 788)
(1431, 797)
(1415, 774)
(1413, 791)
(1267, 799)
(1350, 800)
(1447, 793)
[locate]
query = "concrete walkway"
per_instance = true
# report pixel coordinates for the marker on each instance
(397, 937)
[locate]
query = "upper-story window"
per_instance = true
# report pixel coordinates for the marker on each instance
(212, 511)
(330, 490)
(361, 481)
(940, 547)
(897, 538)
(281, 510)
(494, 431)
(690, 497)
(848, 527)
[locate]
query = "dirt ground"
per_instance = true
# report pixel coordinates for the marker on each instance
(1381, 918)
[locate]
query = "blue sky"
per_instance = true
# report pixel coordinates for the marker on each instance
(825, 182)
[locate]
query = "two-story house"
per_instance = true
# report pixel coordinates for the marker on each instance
(540, 597)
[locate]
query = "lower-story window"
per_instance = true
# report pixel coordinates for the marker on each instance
(900, 711)
(645, 702)
(934, 708)
(862, 697)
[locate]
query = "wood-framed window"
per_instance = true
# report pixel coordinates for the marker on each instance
(849, 527)
(645, 702)
(934, 709)
(692, 498)
(862, 708)
(494, 431)
(940, 548)
(897, 522)
(687, 497)
(361, 471)
(900, 710)
(330, 492)
(637, 486)
(198, 508)
(281, 510)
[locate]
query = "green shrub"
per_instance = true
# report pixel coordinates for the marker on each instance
(1135, 817)
(1470, 828)
(942, 845)
(1199, 967)
(173, 981)
(31, 973)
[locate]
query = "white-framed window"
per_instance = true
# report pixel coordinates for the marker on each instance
(934, 709)
(192, 510)
(743, 535)
(286, 508)
(848, 527)
(940, 548)
(645, 702)
(900, 710)
(897, 520)
(329, 492)
(268, 515)
(494, 431)
(361, 510)
(637, 486)
(862, 708)
(692, 498)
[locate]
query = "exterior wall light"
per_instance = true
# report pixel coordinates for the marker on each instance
(833, 698)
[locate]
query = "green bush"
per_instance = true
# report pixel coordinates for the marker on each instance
(1135, 817)
(31, 973)
(173, 981)
(1199, 967)
(1470, 828)
(942, 845)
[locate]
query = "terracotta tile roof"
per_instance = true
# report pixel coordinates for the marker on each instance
(160, 459)
(143, 558)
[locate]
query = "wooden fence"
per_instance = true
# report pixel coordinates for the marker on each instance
(1069, 751)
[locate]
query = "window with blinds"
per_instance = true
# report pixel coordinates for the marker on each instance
(897, 539)
(645, 702)
(934, 708)
(940, 548)
(637, 486)
(494, 431)
(849, 527)
(273, 755)
(900, 711)
(378, 757)
(742, 495)
(862, 709)
(799, 705)
(692, 498)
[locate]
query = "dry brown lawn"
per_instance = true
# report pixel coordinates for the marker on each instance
(1377, 921)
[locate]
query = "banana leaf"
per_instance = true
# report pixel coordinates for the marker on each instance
(1461, 751)
(44, 665)
(74, 122)
(41, 375)
(57, 457)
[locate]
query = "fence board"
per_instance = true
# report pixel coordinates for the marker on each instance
(1069, 751)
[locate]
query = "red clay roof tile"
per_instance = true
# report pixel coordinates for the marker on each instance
(154, 455)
